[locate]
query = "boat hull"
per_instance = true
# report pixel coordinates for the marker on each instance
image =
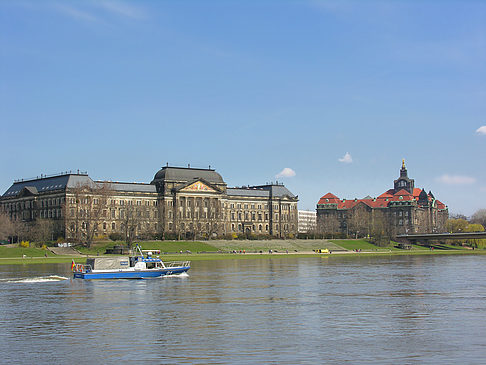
(131, 274)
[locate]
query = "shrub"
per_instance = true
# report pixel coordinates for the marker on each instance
(25, 244)
(116, 236)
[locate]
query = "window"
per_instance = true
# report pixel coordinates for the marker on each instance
(113, 226)
(259, 227)
(104, 226)
(113, 214)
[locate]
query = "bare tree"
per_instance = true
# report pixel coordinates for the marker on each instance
(479, 217)
(6, 226)
(359, 222)
(328, 223)
(87, 209)
(382, 228)
(42, 230)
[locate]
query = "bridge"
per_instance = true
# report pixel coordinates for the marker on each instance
(441, 236)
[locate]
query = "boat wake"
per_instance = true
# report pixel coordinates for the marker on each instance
(181, 275)
(39, 279)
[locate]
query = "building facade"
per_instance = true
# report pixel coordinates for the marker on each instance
(403, 209)
(182, 202)
(307, 221)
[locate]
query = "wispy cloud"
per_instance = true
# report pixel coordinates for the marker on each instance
(456, 179)
(286, 172)
(346, 158)
(76, 14)
(99, 11)
(123, 9)
(481, 130)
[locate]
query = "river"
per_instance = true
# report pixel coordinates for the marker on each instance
(398, 309)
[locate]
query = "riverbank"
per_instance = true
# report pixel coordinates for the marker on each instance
(209, 256)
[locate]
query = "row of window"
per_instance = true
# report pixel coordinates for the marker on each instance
(112, 213)
(31, 204)
(105, 225)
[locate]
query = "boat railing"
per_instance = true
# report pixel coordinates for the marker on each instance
(177, 264)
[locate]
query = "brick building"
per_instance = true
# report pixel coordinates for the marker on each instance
(403, 209)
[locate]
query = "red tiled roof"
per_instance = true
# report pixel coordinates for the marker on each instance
(440, 205)
(381, 202)
(329, 198)
(402, 192)
(387, 194)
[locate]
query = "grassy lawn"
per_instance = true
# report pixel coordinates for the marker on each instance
(11, 252)
(163, 246)
(361, 244)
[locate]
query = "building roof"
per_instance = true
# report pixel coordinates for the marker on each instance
(247, 192)
(329, 198)
(131, 187)
(267, 191)
(275, 190)
(48, 184)
(185, 174)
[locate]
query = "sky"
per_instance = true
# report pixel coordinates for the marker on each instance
(323, 96)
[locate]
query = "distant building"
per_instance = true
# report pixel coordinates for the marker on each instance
(181, 201)
(403, 209)
(307, 221)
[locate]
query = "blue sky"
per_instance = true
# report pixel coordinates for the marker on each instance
(337, 92)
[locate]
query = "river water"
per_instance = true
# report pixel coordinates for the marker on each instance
(401, 310)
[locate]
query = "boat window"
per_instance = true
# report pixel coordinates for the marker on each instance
(151, 265)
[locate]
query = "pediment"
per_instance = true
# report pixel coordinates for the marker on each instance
(198, 186)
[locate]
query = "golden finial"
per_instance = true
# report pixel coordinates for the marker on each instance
(403, 163)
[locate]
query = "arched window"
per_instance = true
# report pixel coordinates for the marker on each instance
(113, 226)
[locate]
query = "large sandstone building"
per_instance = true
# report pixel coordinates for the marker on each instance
(403, 209)
(179, 202)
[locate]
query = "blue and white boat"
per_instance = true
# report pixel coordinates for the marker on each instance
(128, 267)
